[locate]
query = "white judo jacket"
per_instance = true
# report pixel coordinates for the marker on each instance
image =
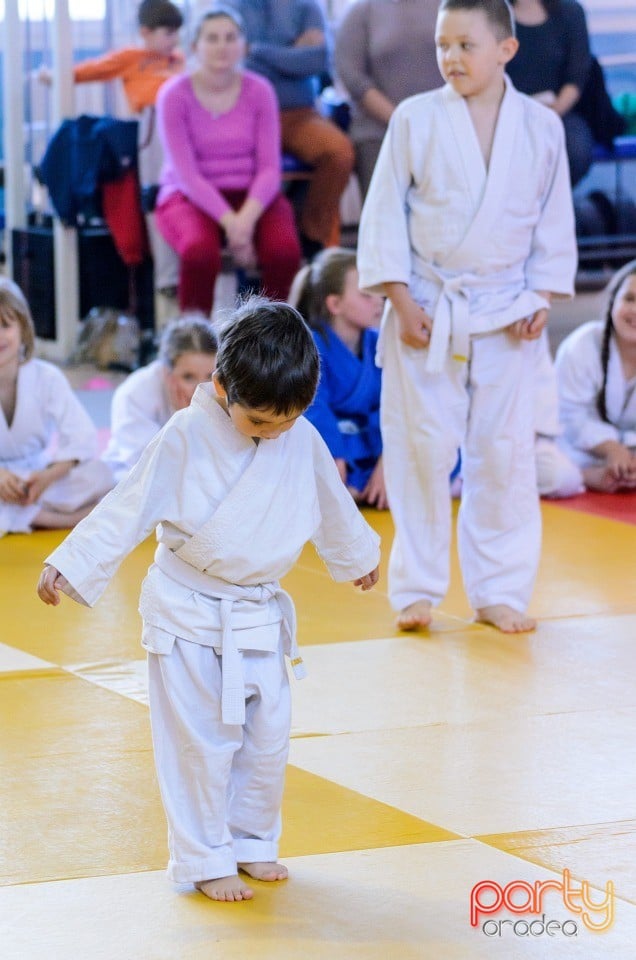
(231, 518)
(473, 244)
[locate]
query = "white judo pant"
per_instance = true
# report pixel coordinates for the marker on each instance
(485, 407)
(221, 785)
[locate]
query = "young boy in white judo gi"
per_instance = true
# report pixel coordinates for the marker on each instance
(468, 230)
(235, 485)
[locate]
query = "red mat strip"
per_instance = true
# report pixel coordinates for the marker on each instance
(616, 506)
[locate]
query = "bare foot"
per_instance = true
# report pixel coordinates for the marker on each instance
(227, 889)
(417, 616)
(505, 618)
(261, 870)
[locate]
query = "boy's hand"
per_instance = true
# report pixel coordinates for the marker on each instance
(530, 328)
(49, 585)
(368, 581)
(414, 325)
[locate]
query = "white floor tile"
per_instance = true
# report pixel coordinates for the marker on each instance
(129, 678)
(12, 659)
(495, 776)
(471, 674)
(401, 902)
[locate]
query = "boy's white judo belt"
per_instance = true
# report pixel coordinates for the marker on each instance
(247, 606)
(467, 304)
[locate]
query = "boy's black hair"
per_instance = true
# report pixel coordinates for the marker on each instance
(498, 13)
(267, 358)
(154, 14)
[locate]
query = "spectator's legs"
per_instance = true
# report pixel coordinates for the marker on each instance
(579, 143)
(277, 248)
(320, 143)
(366, 154)
(197, 240)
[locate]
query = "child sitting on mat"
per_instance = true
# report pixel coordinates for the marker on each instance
(596, 373)
(50, 476)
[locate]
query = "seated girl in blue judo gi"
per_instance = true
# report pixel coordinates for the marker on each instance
(346, 409)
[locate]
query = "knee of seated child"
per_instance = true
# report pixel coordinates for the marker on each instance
(557, 476)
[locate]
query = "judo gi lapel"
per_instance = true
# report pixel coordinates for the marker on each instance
(13, 435)
(257, 508)
(466, 144)
(357, 375)
(616, 386)
(457, 271)
(488, 189)
(10, 448)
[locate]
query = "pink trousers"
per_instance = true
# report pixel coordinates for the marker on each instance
(198, 240)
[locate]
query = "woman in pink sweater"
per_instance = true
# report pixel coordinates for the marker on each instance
(221, 181)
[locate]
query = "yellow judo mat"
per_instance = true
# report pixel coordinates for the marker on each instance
(437, 781)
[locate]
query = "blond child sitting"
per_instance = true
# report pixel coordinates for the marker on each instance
(50, 476)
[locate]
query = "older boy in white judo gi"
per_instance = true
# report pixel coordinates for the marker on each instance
(468, 229)
(235, 485)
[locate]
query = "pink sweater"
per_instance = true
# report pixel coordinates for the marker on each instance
(205, 154)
